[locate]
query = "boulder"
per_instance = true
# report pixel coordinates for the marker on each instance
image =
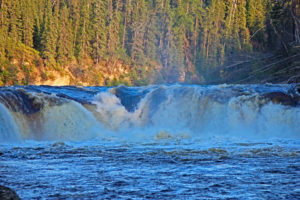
(294, 79)
(8, 194)
(281, 98)
(298, 88)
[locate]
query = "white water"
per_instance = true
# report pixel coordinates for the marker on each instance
(197, 115)
(9, 130)
(156, 142)
(164, 112)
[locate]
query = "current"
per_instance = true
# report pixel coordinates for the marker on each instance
(152, 142)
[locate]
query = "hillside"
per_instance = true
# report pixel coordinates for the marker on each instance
(139, 42)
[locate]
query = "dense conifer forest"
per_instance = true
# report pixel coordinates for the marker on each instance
(108, 42)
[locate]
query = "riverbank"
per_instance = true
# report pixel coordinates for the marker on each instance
(257, 68)
(28, 68)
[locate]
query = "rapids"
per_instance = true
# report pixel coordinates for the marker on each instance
(155, 142)
(81, 113)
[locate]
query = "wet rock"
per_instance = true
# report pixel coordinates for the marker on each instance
(27, 102)
(294, 79)
(163, 135)
(298, 88)
(58, 144)
(91, 107)
(8, 194)
(18, 100)
(129, 98)
(281, 98)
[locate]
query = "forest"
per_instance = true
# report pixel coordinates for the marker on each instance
(138, 42)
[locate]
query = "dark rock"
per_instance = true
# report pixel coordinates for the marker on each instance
(8, 194)
(298, 88)
(294, 79)
(281, 98)
(20, 100)
(129, 97)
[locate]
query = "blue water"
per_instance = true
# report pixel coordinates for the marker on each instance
(158, 170)
(156, 142)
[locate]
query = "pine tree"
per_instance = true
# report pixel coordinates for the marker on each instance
(151, 36)
(99, 15)
(179, 35)
(27, 19)
(14, 27)
(64, 49)
(138, 31)
(38, 13)
(83, 36)
(4, 24)
(49, 35)
(256, 21)
(115, 28)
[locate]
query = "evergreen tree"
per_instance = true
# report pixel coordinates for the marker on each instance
(183, 37)
(49, 34)
(4, 24)
(27, 19)
(65, 37)
(83, 36)
(138, 31)
(256, 21)
(115, 27)
(99, 15)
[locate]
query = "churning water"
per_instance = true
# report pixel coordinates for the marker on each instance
(155, 142)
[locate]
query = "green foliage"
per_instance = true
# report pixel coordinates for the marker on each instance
(185, 37)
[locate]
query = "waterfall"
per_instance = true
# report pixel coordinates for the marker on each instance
(71, 113)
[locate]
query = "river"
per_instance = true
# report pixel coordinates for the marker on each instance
(151, 142)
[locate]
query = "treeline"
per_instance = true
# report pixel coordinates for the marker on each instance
(186, 38)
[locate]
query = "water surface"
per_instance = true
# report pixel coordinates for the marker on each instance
(155, 142)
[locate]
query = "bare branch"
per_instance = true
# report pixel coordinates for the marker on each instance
(256, 32)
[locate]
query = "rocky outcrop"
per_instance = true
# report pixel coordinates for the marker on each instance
(282, 98)
(8, 194)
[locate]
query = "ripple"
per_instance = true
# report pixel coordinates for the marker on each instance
(137, 171)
